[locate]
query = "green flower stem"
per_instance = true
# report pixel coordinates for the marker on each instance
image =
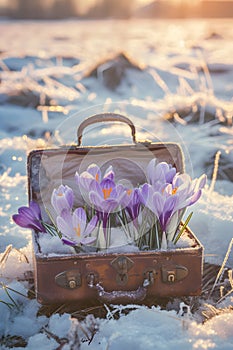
(157, 235)
(49, 227)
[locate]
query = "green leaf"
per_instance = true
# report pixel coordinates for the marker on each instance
(183, 228)
(53, 227)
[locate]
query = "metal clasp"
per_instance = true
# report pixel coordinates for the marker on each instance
(122, 265)
(69, 279)
(173, 273)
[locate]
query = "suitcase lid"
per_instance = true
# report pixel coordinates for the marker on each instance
(49, 168)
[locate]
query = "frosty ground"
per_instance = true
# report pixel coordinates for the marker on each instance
(179, 89)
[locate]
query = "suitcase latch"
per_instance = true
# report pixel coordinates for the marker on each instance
(149, 277)
(175, 273)
(69, 279)
(122, 265)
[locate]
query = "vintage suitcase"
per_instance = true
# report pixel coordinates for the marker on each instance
(116, 277)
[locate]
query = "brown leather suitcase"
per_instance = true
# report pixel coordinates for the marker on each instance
(116, 277)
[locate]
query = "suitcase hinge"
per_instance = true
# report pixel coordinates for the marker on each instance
(173, 273)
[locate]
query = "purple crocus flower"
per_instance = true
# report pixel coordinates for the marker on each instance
(106, 197)
(132, 204)
(161, 205)
(160, 173)
(74, 227)
(62, 198)
(93, 174)
(29, 217)
(165, 200)
(187, 190)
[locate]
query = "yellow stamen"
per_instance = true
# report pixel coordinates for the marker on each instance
(77, 230)
(107, 192)
(129, 192)
(174, 190)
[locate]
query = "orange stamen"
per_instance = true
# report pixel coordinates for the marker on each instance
(107, 192)
(77, 230)
(60, 194)
(129, 192)
(174, 190)
(97, 177)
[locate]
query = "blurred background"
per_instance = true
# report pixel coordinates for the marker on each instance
(56, 9)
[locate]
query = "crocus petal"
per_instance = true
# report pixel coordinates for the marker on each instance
(66, 216)
(102, 205)
(63, 226)
(95, 199)
(157, 205)
(20, 220)
(170, 175)
(95, 187)
(167, 190)
(134, 204)
(69, 194)
(27, 213)
(168, 210)
(67, 241)
(179, 179)
(23, 221)
(88, 240)
(91, 225)
(160, 170)
(109, 173)
(64, 223)
(126, 200)
(79, 219)
(201, 181)
(29, 217)
(62, 198)
(84, 180)
(58, 204)
(143, 193)
(159, 173)
(35, 208)
(94, 170)
(107, 184)
(151, 169)
(195, 197)
(120, 189)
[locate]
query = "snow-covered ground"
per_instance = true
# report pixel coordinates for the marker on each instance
(45, 91)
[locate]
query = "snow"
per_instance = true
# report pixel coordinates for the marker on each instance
(52, 246)
(45, 94)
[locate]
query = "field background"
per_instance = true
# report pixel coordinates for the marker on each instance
(175, 81)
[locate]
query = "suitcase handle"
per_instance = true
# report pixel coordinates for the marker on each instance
(121, 296)
(102, 118)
